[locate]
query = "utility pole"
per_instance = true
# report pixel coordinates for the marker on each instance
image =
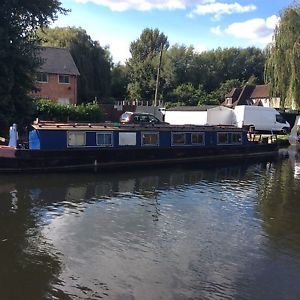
(158, 74)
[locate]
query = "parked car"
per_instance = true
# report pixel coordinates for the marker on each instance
(139, 118)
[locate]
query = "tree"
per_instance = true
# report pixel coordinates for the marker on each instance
(211, 68)
(142, 66)
(225, 88)
(119, 82)
(188, 95)
(282, 68)
(148, 45)
(177, 63)
(93, 61)
(18, 44)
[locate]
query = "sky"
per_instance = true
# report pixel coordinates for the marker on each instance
(203, 24)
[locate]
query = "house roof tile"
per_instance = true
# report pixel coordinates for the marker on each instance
(234, 93)
(57, 61)
(261, 91)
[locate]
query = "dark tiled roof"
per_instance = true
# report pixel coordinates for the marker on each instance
(191, 108)
(235, 92)
(247, 95)
(57, 61)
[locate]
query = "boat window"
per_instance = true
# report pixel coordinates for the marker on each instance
(198, 138)
(178, 138)
(223, 138)
(236, 138)
(150, 139)
(76, 138)
(127, 139)
(104, 139)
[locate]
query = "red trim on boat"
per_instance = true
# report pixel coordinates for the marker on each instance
(6, 151)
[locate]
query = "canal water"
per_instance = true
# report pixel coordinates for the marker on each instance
(228, 232)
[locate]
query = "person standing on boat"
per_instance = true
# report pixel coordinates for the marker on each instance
(13, 136)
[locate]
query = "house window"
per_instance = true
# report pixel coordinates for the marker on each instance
(42, 77)
(150, 139)
(178, 138)
(223, 138)
(236, 138)
(104, 139)
(64, 101)
(198, 138)
(76, 138)
(64, 79)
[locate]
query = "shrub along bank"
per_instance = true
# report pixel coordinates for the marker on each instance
(49, 110)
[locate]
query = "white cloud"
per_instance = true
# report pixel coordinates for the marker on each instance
(118, 47)
(216, 30)
(200, 48)
(257, 30)
(198, 7)
(217, 9)
(58, 23)
(141, 5)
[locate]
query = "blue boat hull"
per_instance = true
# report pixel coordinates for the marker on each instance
(25, 160)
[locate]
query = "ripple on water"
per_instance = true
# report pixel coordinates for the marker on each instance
(187, 234)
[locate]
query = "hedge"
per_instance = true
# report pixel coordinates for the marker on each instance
(49, 110)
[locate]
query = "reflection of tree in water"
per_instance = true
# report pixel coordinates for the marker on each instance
(28, 265)
(279, 204)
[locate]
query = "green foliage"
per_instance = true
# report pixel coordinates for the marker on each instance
(216, 72)
(148, 45)
(93, 62)
(177, 63)
(188, 94)
(211, 68)
(225, 88)
(282, 69)
(49, 110)
(18, 43)
(143, 64)
(119, 82)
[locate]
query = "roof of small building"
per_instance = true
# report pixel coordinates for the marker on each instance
(191, 108)
(57, 61)
(234, 93)
(261, 91)
(245, 95)
(249, 93)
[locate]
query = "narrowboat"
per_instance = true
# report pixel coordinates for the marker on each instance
(71, 146)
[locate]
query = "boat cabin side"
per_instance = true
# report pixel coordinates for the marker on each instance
(59, 137)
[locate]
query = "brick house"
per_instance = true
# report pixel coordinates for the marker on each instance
(57, 76)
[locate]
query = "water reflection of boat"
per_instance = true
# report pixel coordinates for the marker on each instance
(77, 188)
(294, 155)
(294, 137)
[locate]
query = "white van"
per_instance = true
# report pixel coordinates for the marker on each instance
(260, 118)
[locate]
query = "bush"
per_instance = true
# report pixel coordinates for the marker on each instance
(49, 110)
